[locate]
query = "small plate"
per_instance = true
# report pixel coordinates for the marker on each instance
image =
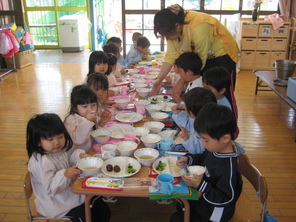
(159, 98)
(123, 163)
(170, 168)
(167, 107)
(132, 117)
(119, 130)
(167, 133)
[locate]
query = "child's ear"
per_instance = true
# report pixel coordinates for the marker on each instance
(226, 138)
(222, 91)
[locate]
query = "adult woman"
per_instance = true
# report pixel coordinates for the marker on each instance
(187, 31)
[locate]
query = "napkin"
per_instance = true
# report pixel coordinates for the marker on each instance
(181, 190)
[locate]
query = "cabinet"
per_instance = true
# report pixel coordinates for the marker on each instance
(260, 45)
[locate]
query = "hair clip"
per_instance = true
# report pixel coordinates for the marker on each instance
(174, 9)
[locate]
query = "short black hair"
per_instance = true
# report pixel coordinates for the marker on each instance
(111, 48)
(215, 120)
(196, 98)
(44, 126)
(189, 61)
(98, 81)
(96, 57)
(143, 42)
(136, 35)
(217, 77)
(114, 39)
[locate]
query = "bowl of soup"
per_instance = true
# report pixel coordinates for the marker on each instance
(154, 126)
(150, 140)
(101, 135)
(90, 166)
(146, 156)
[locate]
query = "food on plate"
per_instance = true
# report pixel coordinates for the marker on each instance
(161, 166)
(109, 168)
(116, 168)
(130, 169)
(89, 168)
(101, 136)
(154, 99)
(165, 97)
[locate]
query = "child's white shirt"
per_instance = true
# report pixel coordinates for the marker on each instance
(51, 188)
(193, 84)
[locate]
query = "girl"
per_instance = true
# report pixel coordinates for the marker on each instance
(98, 82)
(52, 170)
(112, 68)
(82, 117)
(98, 62)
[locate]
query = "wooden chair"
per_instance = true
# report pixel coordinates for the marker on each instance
(243, 205)
(28, 193)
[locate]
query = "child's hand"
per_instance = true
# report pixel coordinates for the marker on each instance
(110, 92)
(123, 71)
(131, 66)
(83, 155)
(182, 159)
(183, 134)
(91, 116)
(144, 57)
(176, 108)
(192, 182)
(105, 117)
(72, 172)
(176, 97)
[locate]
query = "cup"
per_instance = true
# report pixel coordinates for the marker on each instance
(165, 183)
(124, 90)
(140, 108)
(141, 70)
(165, 143)
(131, 137)
(108, 151)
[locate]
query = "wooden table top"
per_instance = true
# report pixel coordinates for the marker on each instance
(268, 77)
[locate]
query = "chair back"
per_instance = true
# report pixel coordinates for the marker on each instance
(257, 180)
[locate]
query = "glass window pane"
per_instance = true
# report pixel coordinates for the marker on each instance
(150, 35)
(132, 4)
(148, 21)
(267, 5)
(230, 5)
(38, 3)
(66, 3)
(43, 27)
(154, 4)
(193, 5)
(172, 2)
(212, 4)
(134, 21)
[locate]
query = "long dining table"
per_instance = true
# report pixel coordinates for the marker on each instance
(125, 192)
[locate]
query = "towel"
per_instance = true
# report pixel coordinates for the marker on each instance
(275, 19)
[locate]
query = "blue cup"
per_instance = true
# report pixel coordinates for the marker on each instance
(165, 143)
(165, 183)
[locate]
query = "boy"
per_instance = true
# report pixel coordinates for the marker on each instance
(135, 54)
(194, 100)
(221, 184)
(188, 66)
(218, 80)
(135, 37)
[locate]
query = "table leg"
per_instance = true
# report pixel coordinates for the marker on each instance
(87, 207)
(186, 209)
(257, 84)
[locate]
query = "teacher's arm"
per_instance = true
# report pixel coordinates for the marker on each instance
(165, 69)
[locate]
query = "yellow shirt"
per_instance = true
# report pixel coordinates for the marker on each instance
(206, 36)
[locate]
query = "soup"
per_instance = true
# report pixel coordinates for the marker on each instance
(146, 157)
(101, 136)
(90, 168)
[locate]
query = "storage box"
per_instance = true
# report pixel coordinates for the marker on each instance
(22, 59)
(265, 31)
(249, 43)
(262, 59)
(283, 31)
(263, 43)
(277, 56)
(249, 30)
(247, 59)
(279, 44)
(291, 90)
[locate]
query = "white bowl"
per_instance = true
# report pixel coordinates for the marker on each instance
(139, 80)
(150, 77)
(101, 135)
(122, 103)
(154, 69)
(154, 73)
(126, 148)
(167, 106)
(140, 131)
(153, 108)
(116, 90)
(143, 92)
(140, 85)
(146, 156)
(154, 126)
(133, 71)
(159, 116)
(90, 166)
(150, 140)
(199, 170)
(143, 101)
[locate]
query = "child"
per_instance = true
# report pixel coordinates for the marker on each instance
(218, 80)
(118, 42)
(98, 82)
(135, 37)
(112, 67)
(82, 117)
(135, 54)
(221, 184)
(113, 48)
(194, 100)
(188, 65)
(53, 169)
(98, 62)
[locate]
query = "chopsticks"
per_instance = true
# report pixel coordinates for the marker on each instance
(180, 109)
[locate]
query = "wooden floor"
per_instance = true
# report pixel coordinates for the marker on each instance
(267, 129)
